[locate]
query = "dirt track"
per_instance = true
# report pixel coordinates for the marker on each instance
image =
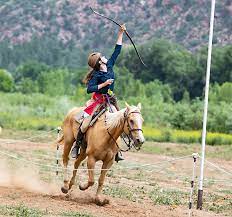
(55, 203)
(83, 202)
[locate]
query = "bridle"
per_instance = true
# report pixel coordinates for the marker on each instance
(131, 140)
(126, 116)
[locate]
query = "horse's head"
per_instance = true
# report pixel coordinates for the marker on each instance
(133, 124)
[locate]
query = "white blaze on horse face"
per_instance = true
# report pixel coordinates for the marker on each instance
(140, 125)
(138, 134)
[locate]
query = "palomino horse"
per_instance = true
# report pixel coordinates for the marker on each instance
(102, 139)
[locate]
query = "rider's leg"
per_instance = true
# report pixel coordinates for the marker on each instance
(80, 136)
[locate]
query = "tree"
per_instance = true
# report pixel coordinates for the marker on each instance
(225, 92)
(31, 70)
(27, 86)
(55, 82)
(6, 81)
(166, 62)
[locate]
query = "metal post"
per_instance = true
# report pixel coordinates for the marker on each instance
(194, 155)
(57, 151)
(200, 190)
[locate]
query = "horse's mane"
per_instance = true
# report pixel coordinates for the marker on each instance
(113, 120)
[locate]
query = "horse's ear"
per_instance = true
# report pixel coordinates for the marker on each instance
(127, 106)
(139, 106)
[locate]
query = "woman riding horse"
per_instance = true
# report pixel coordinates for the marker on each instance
(100, 82)
(103, 144)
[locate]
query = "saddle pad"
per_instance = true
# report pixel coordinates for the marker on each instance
(79, 117)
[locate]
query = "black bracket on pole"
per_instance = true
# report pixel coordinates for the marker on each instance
(199, 199)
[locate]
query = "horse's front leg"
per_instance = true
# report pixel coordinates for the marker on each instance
(77, 163)
(91, 165)
(98, 198)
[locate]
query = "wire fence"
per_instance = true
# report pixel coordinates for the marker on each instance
(49, 165)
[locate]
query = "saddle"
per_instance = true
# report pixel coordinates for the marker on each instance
(99, 111)
(81, 137)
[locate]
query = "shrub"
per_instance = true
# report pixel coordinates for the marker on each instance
(6, 81)
(182, 136)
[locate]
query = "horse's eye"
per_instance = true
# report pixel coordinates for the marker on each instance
(131, 122)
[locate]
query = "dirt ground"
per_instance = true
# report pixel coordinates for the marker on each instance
(54, 202)
(83, 202)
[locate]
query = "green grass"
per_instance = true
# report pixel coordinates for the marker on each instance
(158, 195)
(132, 193)
(172, 149)
(168, 196)
(21, 211)
(36, 111)
(24, 211)
(181, 136)
(43, 113)
(218, 203)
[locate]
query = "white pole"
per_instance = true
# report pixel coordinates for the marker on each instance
(200, 190)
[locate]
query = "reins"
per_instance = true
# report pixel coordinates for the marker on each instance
(129, 136)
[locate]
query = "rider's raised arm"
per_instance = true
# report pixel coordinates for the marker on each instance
(117, 48)
(120, 34)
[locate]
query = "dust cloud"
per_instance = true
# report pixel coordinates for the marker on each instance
(26, 178)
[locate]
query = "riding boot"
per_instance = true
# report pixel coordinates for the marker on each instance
(76, 149)
(118, 157)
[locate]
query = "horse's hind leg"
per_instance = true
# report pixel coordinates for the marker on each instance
(98, 200)
(67, 148)
(77, 163)
(91, 165)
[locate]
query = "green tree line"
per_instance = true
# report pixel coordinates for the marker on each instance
(176, 66)
(167, 62)
(170, 88)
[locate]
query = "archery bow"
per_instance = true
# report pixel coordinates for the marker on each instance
(101, 15)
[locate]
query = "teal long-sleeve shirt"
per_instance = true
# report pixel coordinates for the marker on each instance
(100, 77)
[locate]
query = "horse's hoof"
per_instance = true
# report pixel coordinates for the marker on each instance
(101, 202)
(82, 188)
(64, 190)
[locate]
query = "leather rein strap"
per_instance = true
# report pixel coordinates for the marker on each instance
(130, 136)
